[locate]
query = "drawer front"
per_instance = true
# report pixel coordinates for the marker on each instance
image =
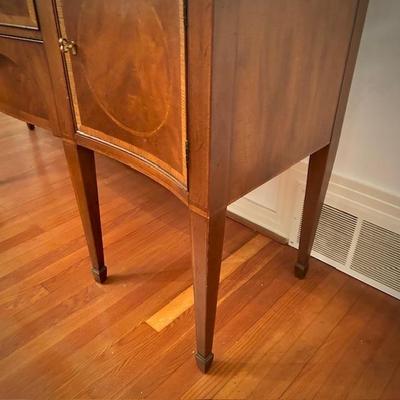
(127, 77)
(24, 81)
(18, 18)
(18, 14)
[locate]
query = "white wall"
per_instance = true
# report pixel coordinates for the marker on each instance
(369, 150)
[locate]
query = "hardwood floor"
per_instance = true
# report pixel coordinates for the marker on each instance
(64, 336)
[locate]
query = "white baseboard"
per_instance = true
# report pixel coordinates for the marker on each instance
(373, 202)
(276, 220)
(259, 215)
(365, 202)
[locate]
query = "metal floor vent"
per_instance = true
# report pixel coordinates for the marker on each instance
(349, 242)
(377, 255)
(334, 234)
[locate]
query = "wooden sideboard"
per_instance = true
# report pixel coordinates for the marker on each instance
(210, 98)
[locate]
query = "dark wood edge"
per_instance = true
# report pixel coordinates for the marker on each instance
(257, 228)
(17, 26)
(348, 72)
(23, 38)
(20, 32)
(137, 163)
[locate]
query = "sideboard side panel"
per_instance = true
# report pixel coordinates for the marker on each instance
(290, 58)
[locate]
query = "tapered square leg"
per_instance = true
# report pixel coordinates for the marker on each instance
(319, 173)
(81, 164)
(207, 241)
(321, 162)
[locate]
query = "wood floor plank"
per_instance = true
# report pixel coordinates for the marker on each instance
(342, 339)
(248, 303)
(63, 336)
(392, 389)
(276, 362)
(20, 237)
(378, 371)
(348, 369)
(273, 322)
(70, 335)
(114, 368)
(181, 349)
(141, 257)
(111, 235)
(184, 300)
(89, 354)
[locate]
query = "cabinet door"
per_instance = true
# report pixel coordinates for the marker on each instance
(127, 78)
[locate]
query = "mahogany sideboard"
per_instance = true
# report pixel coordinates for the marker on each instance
(210, 98)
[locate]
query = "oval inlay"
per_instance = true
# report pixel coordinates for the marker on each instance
(125, 62)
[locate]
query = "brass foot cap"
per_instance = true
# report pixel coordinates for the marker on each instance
(100, 275)
(204, 363)
(300, 271)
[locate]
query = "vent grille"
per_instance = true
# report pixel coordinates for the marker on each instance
(377, 255)
(356, 239)
(334, 234)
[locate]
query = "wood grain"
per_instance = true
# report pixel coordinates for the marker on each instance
(18, 13)
(142, 109)
(64, 336)
(277, 70)
(184, 301)
(24, 79)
